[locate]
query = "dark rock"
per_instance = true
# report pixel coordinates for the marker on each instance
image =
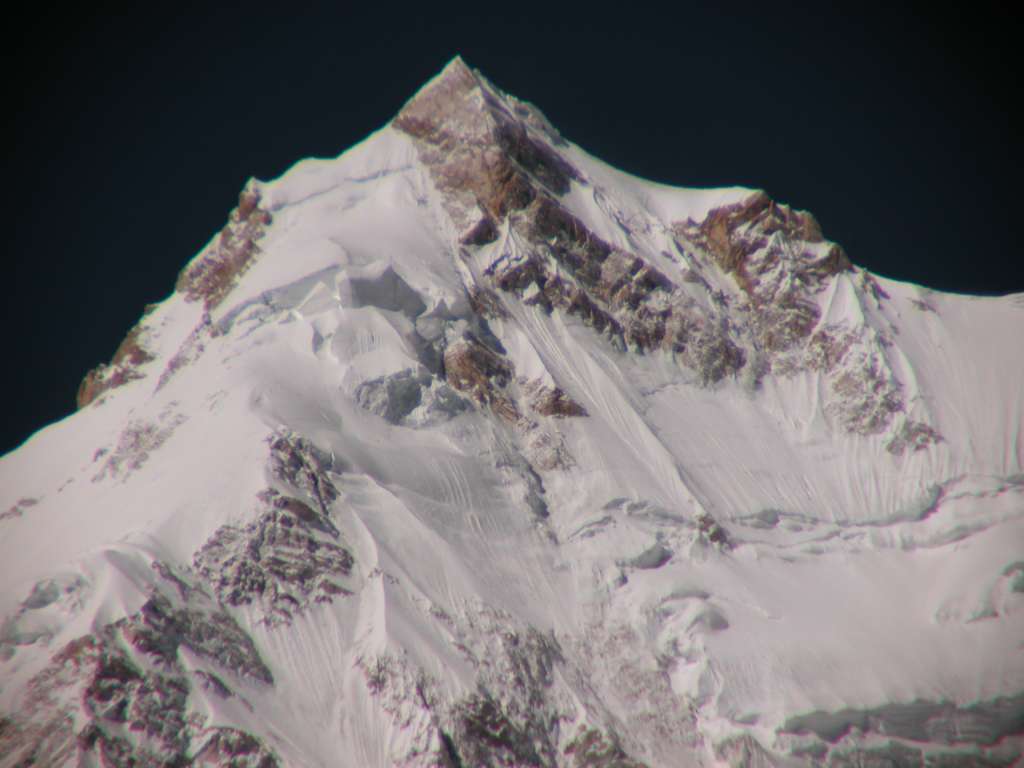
(913, 435)
(123, 368)
(213, 274)
(553, 401)
(485, 736)
(286, 561)
(483, 232)
(485, 303)
(711, 530)
(594, 749)
(534, 157)
(160, 628)
(127, 688)
(481, 373)
(233, 748)
(295, 461)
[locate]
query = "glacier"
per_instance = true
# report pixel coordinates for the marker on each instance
(467, 449)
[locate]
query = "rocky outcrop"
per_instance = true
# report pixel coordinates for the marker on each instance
(480, 154)
(285, 561)
(130, 356)
(912, 436)
(136, 443)
(292, 556)
(618, 294)
(780, 263)
(482, 374)
(483, 734)
(199, 625)
(739, 237)
(212, 274)
(121, 695)
(526, 710)
(232, 748)
(488, 378)
(778, 259)
(303, 468)
(552, 401)
(190, 350)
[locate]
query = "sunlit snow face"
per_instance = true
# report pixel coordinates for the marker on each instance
(466, 447)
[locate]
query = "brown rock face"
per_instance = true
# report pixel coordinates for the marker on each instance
(483, 232)
(754, 241)
(100, 379)
(488, 379)
(479, 154)
(213, 274)
(481, 373)
(734, 232)
(131, 354)
(552, 401)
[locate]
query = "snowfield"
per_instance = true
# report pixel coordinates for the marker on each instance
(464, 448)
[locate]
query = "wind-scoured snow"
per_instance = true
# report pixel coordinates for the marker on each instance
(676, 577)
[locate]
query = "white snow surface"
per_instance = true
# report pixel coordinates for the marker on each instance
(857, 577)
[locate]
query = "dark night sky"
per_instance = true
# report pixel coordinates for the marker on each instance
(134, 132)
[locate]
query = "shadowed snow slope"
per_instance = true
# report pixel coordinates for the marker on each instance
(465, 449)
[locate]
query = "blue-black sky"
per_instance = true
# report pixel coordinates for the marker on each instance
(134, 130)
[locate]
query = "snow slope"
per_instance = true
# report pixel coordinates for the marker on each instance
(385, 485)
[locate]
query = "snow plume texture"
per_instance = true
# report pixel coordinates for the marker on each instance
(466, 449)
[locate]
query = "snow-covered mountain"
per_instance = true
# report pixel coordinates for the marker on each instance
(466, 449)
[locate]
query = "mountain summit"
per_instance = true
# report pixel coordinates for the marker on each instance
(466, 449)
